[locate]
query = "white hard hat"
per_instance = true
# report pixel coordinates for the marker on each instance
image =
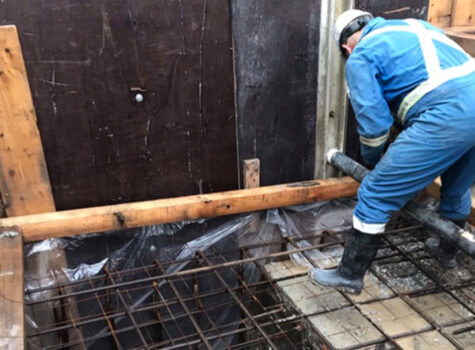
(351, 19)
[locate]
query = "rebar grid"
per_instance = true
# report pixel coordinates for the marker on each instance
(401, 255)
(187, 309)
(178, 300)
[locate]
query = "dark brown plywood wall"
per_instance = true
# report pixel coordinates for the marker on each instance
(87, 60)
(276, 43)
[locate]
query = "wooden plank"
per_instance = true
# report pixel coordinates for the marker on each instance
(440, 12)
(251, 179)
(25, 184)
(114, 217)
(463, 13)
(11, 288)
(464, 36)
(24, 180)
(251, 173)
(433, 190)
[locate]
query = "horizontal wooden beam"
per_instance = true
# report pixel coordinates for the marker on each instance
(81, 221)
(433, 190)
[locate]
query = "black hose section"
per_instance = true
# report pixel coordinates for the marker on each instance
(432, 221)
(350, 167)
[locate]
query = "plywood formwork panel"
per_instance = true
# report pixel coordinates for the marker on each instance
(87, 61)
(276, 66)
(463, 13)
(451, 13)
(440, 13)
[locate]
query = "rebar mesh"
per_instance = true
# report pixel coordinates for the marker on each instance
(211, 304)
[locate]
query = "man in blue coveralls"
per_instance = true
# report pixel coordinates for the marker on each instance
(408, 72)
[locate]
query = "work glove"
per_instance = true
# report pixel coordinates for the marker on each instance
(372, 155)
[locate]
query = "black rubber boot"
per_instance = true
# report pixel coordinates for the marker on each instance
(443, 250)
(360, 251)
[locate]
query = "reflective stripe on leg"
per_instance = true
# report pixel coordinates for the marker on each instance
(368, 228)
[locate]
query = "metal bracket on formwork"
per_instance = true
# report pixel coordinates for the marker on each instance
(332, 103)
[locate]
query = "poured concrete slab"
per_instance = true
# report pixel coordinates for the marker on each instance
(466, 262)
(449, 277)
(404, 277)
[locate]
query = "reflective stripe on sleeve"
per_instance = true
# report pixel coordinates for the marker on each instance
(368, 228)
(374, 141)
(430, 84)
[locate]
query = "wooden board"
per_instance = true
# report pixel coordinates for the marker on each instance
(80, 221)
(451, 13)
(25, 184)
(87, 60)
(25, 188)
(433, 190)
(11, 288)
(463, 13)
(24, 181)
(251, 173)
(276, 45)
(440, 13)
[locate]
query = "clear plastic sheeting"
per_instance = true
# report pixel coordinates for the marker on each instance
(174, 245)
(306, 221)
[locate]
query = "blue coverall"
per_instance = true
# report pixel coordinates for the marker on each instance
(408, 71)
